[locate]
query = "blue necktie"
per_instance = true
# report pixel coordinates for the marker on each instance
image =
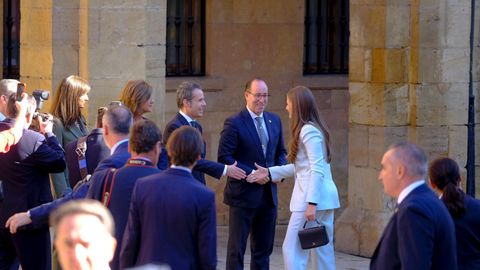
(195, 125)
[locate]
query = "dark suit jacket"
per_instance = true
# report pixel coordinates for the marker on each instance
(39, 215)
(211, 168)
(122, 188)
(239, 142)
(117, 160)
(96, 152)
(172, 221)
(467, 229)
(25, 172)
(420, 235)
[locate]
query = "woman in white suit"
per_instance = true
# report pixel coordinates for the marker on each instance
(314, 195)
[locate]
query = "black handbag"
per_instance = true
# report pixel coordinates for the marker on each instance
(313, 237)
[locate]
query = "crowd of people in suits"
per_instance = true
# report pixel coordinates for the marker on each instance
(156, 209)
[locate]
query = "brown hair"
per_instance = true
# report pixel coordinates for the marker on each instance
(144, 135)
(184, 146)
(12, 110)
(134, 94)
(65, 102)
(444, 173)
(305, 111)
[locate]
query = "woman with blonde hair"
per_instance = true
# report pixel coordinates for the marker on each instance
(69, 123)
(137, 96)
(314, 195)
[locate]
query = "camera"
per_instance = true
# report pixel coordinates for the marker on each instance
(44, 116)
(40, 96)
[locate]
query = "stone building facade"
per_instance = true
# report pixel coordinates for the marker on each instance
(408, 79)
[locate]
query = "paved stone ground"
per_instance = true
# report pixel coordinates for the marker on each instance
(344, 261)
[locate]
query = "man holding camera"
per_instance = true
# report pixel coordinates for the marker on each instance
(26, 184)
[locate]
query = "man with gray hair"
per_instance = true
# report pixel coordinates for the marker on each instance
(84, 235)
(420, 234)
(7, 88)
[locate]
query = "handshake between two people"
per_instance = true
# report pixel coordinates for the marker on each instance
(260, 176)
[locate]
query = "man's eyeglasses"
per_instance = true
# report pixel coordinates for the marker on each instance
(115, 103)
(259, 96)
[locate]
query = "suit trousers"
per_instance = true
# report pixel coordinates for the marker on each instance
(32, 247)
(296, 258)
(260, 224)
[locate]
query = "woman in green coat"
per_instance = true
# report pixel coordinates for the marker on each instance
(68, 123)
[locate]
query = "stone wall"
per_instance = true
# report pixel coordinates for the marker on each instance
(408, 81)
(36, 57)
(105, 42)
(126, 41)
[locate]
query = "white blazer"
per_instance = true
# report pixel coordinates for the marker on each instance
(313, 176)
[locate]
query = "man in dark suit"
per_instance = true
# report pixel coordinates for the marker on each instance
(144, 146)
(172, 215)
(248, 137)
(420, 234)
(86, 158)
(116, 122)
(25, 178)
(191, 104)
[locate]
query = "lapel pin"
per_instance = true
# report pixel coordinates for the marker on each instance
(269, 121)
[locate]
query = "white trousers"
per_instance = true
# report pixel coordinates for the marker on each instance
(296, 258)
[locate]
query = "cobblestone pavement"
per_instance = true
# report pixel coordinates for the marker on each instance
(344, 261)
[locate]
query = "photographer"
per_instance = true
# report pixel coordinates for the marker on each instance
(26, 184)
(11, 136)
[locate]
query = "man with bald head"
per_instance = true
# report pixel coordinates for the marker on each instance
(420, 234)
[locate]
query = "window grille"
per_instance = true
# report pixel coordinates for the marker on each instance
(326, 37)
(11, 39)
(185, 38)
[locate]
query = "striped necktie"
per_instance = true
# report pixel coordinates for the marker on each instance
(261, 134)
